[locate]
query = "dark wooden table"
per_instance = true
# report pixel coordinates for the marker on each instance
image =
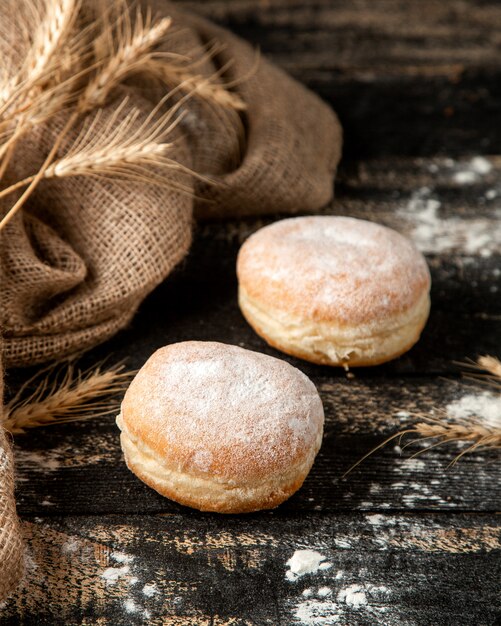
(418, 88)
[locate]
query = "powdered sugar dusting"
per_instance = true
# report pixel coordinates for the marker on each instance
(226, 410)
(332, 267)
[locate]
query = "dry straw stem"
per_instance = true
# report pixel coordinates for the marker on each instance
(441, 429)
(57, 399)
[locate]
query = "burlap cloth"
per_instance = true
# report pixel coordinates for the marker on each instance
(83, 254)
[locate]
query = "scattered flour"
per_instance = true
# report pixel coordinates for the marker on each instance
(70, 546)
(435, 235)
(305, 562)
(465, 177)
(324, 591)
(315, 613)
(120, 557)
(354, 595)
(472, 171)
(150, 590)
(130, 606)
(307, 592)
(112, 574)
(485, 405)
(376, 520)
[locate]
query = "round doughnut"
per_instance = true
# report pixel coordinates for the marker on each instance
(220, 428)
(334, 290)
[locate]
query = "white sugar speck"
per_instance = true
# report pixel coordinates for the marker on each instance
(303, 562)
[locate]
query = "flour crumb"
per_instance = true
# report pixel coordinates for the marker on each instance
(70, 546)
(480, 165)
(490, 194)
(472, 171)
(323, 592)
(307, 592)
(112, 574)
(304, 562)
(354, 595)
(150, 590)
(131, 606)
(486, 406)
(339, 574)
(317, 613)
(120, 557)
(465, 177)
(133, 581)
(376, 520)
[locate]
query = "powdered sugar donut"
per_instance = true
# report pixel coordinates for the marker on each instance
(220, 428)
(334, 290)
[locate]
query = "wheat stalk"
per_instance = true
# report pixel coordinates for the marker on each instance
(442, 430)
(133, 46)
(77, 395)
(129, 57)
(122, 148)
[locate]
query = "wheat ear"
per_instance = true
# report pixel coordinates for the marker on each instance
(133, 49)
(75, 396)
(123, 148)
(442, 430)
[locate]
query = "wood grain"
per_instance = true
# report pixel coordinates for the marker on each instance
(207, 570)
(414, 78)
(79, 468)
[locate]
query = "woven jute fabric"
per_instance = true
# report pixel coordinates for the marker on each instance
(11, 544)
(83, 253)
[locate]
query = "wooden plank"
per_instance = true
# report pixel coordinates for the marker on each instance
(208, 570)
(405, 77)
(78, 468)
